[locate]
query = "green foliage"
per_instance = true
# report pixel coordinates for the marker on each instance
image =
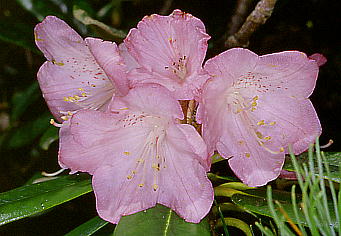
(157, 221)
(34, 198)
(316, 212)
(89, 227)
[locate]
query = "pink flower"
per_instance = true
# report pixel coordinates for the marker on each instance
(253, 107)
(140, 155)
(79, 73)
(170, 51)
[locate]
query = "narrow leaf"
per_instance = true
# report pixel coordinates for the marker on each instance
(88, 228)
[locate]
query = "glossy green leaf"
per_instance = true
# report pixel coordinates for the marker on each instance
(21, 100)
(32, 199)
(40, 9)
(103, 30)
(26, 134)
(20, 34)
(89, 227)
(332, 158)
(159, 220)
(50, 135)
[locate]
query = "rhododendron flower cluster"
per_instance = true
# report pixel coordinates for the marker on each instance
(122, 121)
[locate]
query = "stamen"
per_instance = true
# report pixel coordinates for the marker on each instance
(330, 142)
(43, 173)
(52, 122)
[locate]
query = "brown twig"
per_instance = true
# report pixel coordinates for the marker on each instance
(258, 17)
(243, 8)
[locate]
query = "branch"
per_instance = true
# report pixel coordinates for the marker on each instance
(258, 17)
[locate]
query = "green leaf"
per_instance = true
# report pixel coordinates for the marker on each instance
(237, 223)
(256, 202)
(26, 134)
(21, 100)
(20, 34)
(88, 228)
(40, 9)
(50, 135)
(157, 221)
(32, 199)
(332, 158)
(101, 29)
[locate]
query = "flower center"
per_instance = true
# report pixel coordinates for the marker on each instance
(150, 158)
(243, 106)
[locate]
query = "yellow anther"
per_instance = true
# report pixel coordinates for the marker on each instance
(259, 134)
(255, 98)
(129, 177)
(80, 89)
(267, 138)
(155, 187)
(156, 166)
(141, 185)
(65, 99)
(64, 117)
(281, 149)
(126, 153)
(57, 63)
(247, 155)
(241, 142)
(83, 94)
(261, 122)
(272, 123)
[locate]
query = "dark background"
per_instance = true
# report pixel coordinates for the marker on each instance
(309, 26)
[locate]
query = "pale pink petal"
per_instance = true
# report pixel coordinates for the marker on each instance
(108, 57)
(171, 49)
(94, 139)
(252, 163)
(254, 107)
(149, 98)
(171, 176)
(72, 79)
(128, 59)
(319, 58)
(140, 156)
(192, 141)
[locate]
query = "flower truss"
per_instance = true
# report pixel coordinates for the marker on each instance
(123, 123)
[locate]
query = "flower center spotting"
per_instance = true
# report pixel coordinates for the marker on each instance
(242, 100)
(178, 62)
(150, 160)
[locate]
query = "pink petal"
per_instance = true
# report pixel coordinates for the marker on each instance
(72, 79)
(167, 173)
(252, 163)
(149, 98)
(82, 144)
(319, 58)
(108, 57)
(254, 107)
(171, 49)
(130, 62)
(140, 156)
